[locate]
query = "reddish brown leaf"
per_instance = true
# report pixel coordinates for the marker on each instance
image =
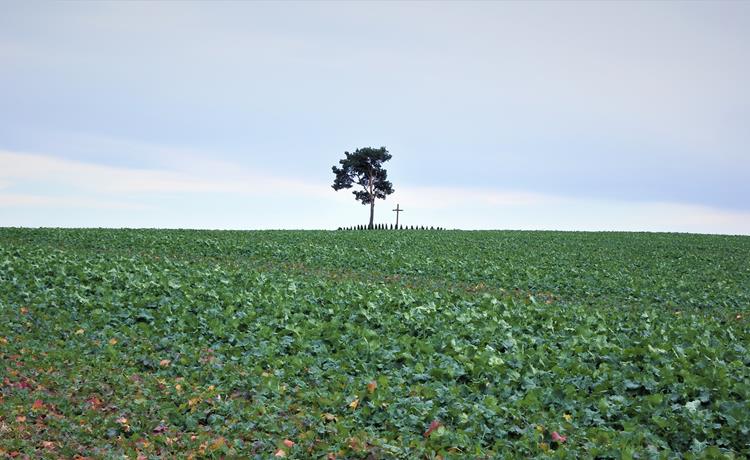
(94, 402)
(556, 437)
(161, 428)
(433, 426)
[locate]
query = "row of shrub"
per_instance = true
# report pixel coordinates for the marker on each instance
(390, 227)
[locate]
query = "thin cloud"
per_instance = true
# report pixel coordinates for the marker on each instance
(8, 200)
(24, 168)
(450, 197)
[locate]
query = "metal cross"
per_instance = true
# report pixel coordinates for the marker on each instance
(398, 211)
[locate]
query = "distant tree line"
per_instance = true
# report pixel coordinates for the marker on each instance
(390, 227)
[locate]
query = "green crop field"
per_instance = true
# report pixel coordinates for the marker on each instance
(373, 344)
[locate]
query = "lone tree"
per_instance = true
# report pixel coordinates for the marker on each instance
(364, 167)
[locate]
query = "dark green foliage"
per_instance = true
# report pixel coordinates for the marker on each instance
(168, 344)
(364, 168)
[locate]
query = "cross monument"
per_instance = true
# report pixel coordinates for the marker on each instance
(397, 211)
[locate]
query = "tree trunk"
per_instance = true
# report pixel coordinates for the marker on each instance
(372, 202)
(372, 212)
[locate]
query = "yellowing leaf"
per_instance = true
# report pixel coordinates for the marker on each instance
(354, 444)
(218, 443)
(280, 453)
(567, 417)
(113, 341)
(79, 331)
(354, 403)
(165, 362)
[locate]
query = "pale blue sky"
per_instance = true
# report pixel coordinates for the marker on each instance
(576, 116)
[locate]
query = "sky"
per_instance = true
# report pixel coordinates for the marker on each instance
(627, 116)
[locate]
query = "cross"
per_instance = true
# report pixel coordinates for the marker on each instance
(397, 210)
